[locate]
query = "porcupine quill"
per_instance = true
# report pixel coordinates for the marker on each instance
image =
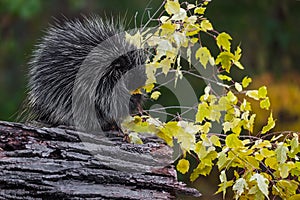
(81, 74)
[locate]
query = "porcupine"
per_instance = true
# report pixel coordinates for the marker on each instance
(79, 75)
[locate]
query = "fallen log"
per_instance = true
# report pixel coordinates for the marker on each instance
(61, 163)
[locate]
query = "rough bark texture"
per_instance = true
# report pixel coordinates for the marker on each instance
(60, 163)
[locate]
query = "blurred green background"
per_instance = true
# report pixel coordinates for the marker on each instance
(267, 30)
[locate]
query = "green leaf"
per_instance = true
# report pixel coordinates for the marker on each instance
(262, 183)
(223, 40)
(232, 141)
(183, 166)
(203, 54)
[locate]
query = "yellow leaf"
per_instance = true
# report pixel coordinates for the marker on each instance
(259, 157)
(239, 186)
(246, 81)
(203, 112)
(148, 88)
(232, 141)
(215, 140)
(238, 64)
(294, 197)
(180, 39)
(186, 137)
(245, 106)
(192, 29)
(231, 97)
(206, 25)
(150, 72)
(271, 162)
(224, 77)
(238, 87)
(227, 126)
(137, 91)
(199, 10)
(270, 125)
(164, 19)
(265, 104)
(172, 7)
(206, 127)
(167, 28)
(223, 40)
(166, 65)
(135, 39)
(167, 132)
(253, 94)
(281, 153)
(194, 40)
(266, 153)
(183, 166)
(203, 54)
(262, 92)
(181, 15)
(225, 58)
(284, 170)
(252, 162)
(237, 54)
(191, 6)
(135, 139)
(224, 183)
(262, 183)
(155, 95)
(201, 169)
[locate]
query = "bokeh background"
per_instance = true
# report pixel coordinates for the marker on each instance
(268, 31)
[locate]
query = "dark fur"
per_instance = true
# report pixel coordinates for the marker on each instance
(73, 79)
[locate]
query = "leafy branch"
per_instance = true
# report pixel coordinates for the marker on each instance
(264, 163)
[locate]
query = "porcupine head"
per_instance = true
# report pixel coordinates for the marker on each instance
(81, 74)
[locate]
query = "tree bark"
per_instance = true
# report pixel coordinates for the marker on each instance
(61, 163)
